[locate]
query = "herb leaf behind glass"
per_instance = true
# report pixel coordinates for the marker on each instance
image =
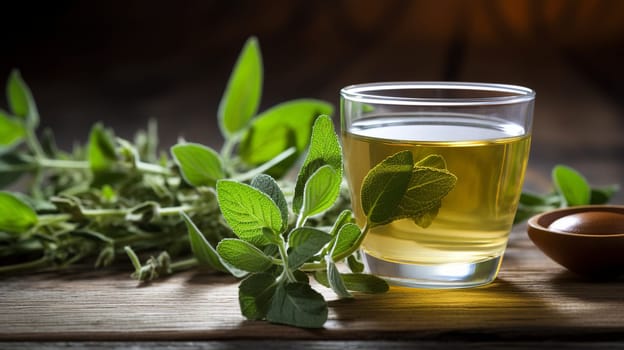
(570, 189)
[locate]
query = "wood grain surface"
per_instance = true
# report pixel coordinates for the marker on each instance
(533, 299)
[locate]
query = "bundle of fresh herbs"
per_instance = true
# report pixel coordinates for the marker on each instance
(115, 196)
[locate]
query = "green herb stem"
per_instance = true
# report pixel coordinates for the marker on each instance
(300, 220)
(33, 143)
(165, 211)
(281, 245)
(62, 163)
(319, 266)
(185, 264)
(50, 219)
(150, 168)
(26, 266)
(265, 166)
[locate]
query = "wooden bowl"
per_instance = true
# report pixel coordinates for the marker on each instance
(594, 255)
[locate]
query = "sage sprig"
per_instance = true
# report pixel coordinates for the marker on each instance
(276, 246)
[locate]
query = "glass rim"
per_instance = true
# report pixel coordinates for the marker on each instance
(360, 93)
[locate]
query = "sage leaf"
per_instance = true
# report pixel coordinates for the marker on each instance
(199, 165)
(320, 191)
(346, 238)
(297, 304)
(12, 132)
(203, 251)
(102, 153)
(248, 210)
(103, 157)
(305, 242)
(283, 126)
(269, 186)
(243, 255)
(21, 100)
(335, 280)
(345, 217)
(16, 216)
(424, 194)
(242, 94)
(603, 195)
(355, 264)
(384, 186)
(432, 161)
(324, 150)
(356, 282)
(571, 185)
(254, 295)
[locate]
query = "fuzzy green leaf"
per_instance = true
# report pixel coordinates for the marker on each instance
(432, 161)
(345, 217)
(305, 242)
(15, 215)
(297, 304)
(603, 195)
(248, 210)
(286, 125)
(12, 132)
(267, 184)
(324, 150)
(321, 191)
(347, 237)
(102, 153)
(424, 194)
(243, 255)
(203, 251)
(241, 98)
(355, 264)
(384, 186)
(356, 282)
(21, 100)
(199, 165)
(254, 295)
(336, 282)
(571, 185)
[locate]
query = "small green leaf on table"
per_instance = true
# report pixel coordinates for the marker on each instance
(255, 294)
(243, 255)
(297, 304)
(16, 216)
(571, 185)
(200, 165)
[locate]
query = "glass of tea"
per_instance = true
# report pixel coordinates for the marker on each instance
(483, 132)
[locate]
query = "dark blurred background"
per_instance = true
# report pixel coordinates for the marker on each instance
(123, 62)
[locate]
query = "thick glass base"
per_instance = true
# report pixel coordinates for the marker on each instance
(445, 276)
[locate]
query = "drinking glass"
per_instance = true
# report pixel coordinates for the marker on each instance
(483, 132)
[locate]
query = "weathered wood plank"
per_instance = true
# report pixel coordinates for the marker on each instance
(533, 299)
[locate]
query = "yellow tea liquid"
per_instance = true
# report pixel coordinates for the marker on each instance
(488, 157)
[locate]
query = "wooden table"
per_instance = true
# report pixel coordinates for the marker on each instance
(534, 302)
